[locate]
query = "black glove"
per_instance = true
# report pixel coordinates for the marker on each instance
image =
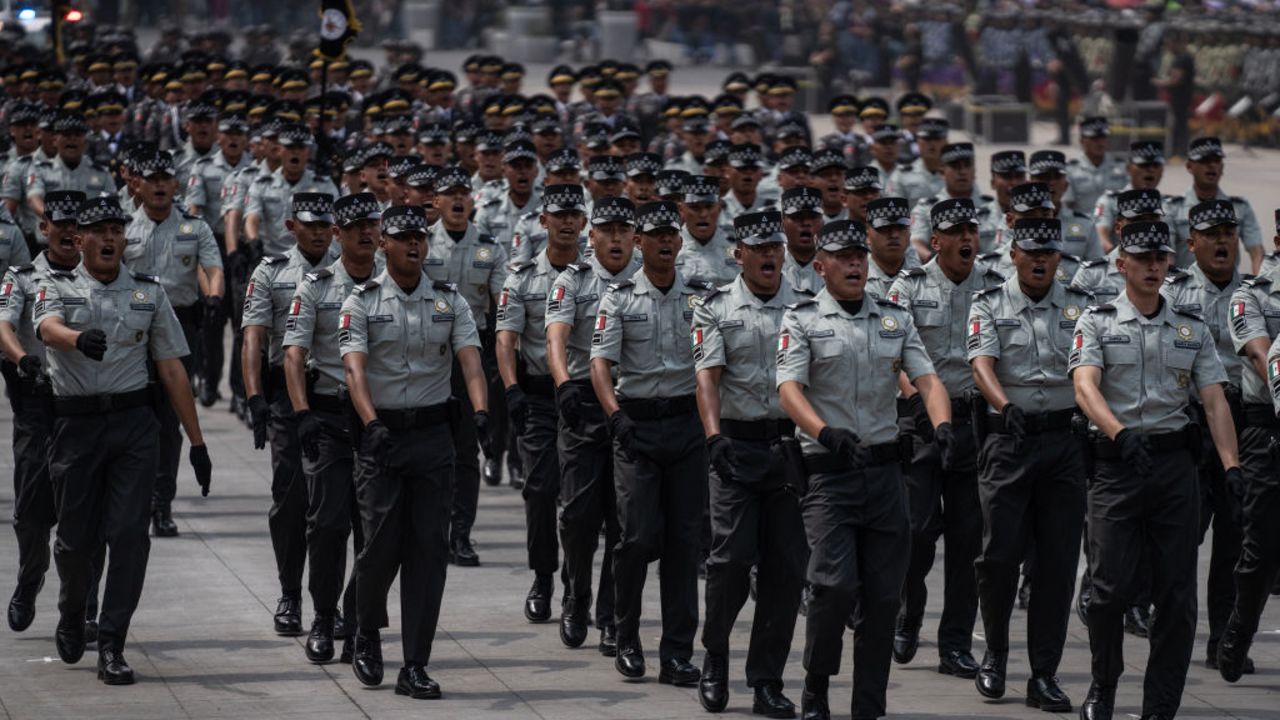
(623, 429)
(92, 344)
(377, 439)
(944, 436)
(920, 417)
(1135, 450)
(1015, 424)
(720, 455)
(198, 456)
(30, 368)
(846, 443)
(237, 265)
(1233, 480)
(213, 315)
(569, 403)
(309, 429)
(517, 408)
(483, 435)
(259, 415)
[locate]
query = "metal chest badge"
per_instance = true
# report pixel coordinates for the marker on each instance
(1184, 332)
(1071, 312)
(441, 305)
(484, 254)
(888, 322)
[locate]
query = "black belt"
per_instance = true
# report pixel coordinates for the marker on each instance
(415, 418)
(658, 408)
(98, 404)
(1107, 448)
(904, 407)
(327, 404)
(1037, 422)
(540, 385)
(189, 315)
(961, 411)
(883, 454)
(1261, 416)
(769, 429)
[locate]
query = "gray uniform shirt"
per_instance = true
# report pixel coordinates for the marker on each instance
(530, 238)
(940, 310)
(410, 339)
(205, 186)
(1088, 181)
(849, 364)
(270, 293)
(522, 309)
(235, 187)
(498, 216)
(312, 323)
(878, 281)
(1273, 373)
(646, 333)
(49, 175)
(988, 220)
(802, 277)
(1104, 212)
(476, 264)
(1148, 366)
(1255, 313)
(710, 262)
(17, 300)
(134, 312)
(13, 187)
(574, 300)
(1030, 341)
(1191, 292)
(1101, 277)
(271, 197)
(734, 330)
(1177, 208)
(914, 182)
(172, 250)
(13, 246)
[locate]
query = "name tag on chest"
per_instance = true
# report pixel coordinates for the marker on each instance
(379, 319)
(925, 303)
(1114, 339)
(72, 300)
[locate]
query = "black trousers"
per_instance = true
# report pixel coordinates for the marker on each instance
(1218, 508)
(661, 487)
(103, 469)
(755, 520)
(1260, 554)
(287, 518)
(859, 535)
(331, 515)
(1134, 521)
(466, 459)
(587, 503)
(1033, 496)
(537, 447)
(170, 449)
(34, 512)
(404, 510)
(944, 503)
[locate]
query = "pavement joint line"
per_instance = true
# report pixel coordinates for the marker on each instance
(142, 648)
(492, 674)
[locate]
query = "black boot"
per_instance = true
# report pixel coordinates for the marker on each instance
(366, 663)
(1233, 650)
(713, 688)
(906, 640)
(112, 668)
(162, 524)
(22, 607)
(990, 679)
(1045, 693)
(416, 683)
(573, 623)
(288, 617)
(537, 604)
(770, 702)
(813, 701)
(464, 555)
(1099, 704)
(319, 647)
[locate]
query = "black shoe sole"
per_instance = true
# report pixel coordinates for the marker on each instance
(20, 626)
(963, 675)
(666, 679)
(432, 695)
(114, 680)
(1048, 707)
(367, 682)
(537, 618)
(318, 659)
(570, 642)
(757, 710)
(630, 675)
(989, 694)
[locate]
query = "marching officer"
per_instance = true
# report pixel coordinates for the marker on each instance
(958, 183)
(1133, 363)
(1145, 168)
(1097, 170)
(1205, 160)
(266, 312)
(1032, 473)
(840, 356)
(269, 196)
(104, 327)
(942, 487)
(399, 334)
(755, 515)
(530, 389)
(315, 378)
(660, 461)
(706, 251)
(178, 248)
(68, 169)
(1101, 277)
(498, 215)
(888, 226)
(586, 450)
(801, 222)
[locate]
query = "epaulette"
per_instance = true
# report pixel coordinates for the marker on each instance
(713, 293)
(1080, 215)
(1256, 281)
(580, 266)
(529, 215)
(1069, 256)
(521, 266)
(913, 272)
(19, 269)
(621, 285)
(803, 291)
(1079, 291)
(987, 198)
(1175, 277)
(1094, 262)
(929, 201)
(145, 277)
(885, 302)
(1112, 193)
(497, 200)
(1238, 199)
(803, 303)
(189, 215)
(320, 274)
(1104, 308)
(45, 163)
(486, 238)
(69, 274)
(365, 286)
(262, 179)
(273, 259)
(990, 255)
(986, 291)
(993, 273)
(206, 159)
(442, 285)
(1186, 313)
(1174, 198)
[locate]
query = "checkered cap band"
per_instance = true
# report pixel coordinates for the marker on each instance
(350, 209)
(545, 125)
(1145, 237)
(826, 158)
(746, 154)
(294, 134)
(933, 127)
(24, 113)
(957, 152)
(701, 188)
(402, 219)
(397, 124)
(745, 120)
(156, 163)
(842, 235)
(643, 164)
(423, 176)
(70, 123)
(313, 207)
(950, 213)
(758, 228)
(882, 212)
(519, 150)
(233, 123)
(614, 209)
(885, 132)
(452, 177)
(1030, 196)
(1146, 153)
(657, 216)
(1095, 127)
(596, 134)
(1205, 147)
(795, 157)
(200, 109)
(376, 150)
(1047, 161)
(623, 133)
(557, 198)
(605, 167)
(488, 140)
(801, 199)
(717, 151)
(519, 133)
(1132, 203)
(789, 129)
(1212, 213)
(62, 205)
(100, 209)
(564, 159)
(862, 178)
(433, 134)
(401, 165)
(671, 182)
(1038, 234)
(1009, 161)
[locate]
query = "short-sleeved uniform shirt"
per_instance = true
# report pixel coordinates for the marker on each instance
(1177, 210)
(53, 174)
(1273, 374)
(710, 262)
(940, 311)
(988, 219)
(312, 323)
(13, 187)
(735, 330)
(802, 277)
(522, 309)
(205, 185)
(17, 300)
(270, 292)
(849, 364)
(1104, 212)
(13, 245)
(645, 332)
(133, 311)
(1254, 312)
(530, 238)
(410, 339)
(914, 182)
(574, 299)
(1088, 182)
(173, 250)
(1191, 292)
(235, 187)
(1101, 278)
(476, 264)
(497, 218)
(1030, 341)
(271, 197)
(1149, 366)
(879, 281)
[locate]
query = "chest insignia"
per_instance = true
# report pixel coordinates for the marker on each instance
(888, 322)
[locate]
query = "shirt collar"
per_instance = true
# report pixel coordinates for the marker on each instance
(828, 305)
